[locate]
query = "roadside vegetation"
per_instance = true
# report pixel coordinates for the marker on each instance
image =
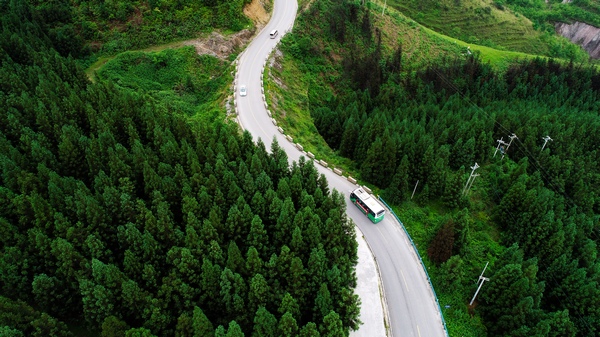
(178, 78)
(108, 27)
(418, 107)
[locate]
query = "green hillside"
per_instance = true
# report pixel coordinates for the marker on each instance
(476, 21)
(395, 103)
(131, 207)
(489, 23)
(87, 28)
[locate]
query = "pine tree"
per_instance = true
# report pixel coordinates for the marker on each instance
(297, 279)
(287, 325)
(332, 325)
(139, 332)
(184, 327)
(265, 324)
(210, 284)
(235, 260)
(349, 137)
(397, 191)
(317, 264)
(289, 304)
(372, 163)
(279, 161)
(440, 248)
(297, 243)
(254, 264)
(452, 192)
(309, 330)
(257, 237)
(461, 231)
(234, 330)
(513, 295)
(285, 222)
(323, 302)
(259, 293)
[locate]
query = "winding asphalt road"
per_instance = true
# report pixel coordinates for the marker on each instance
(411, 303)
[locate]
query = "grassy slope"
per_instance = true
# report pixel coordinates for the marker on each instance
(422, 45)
(287, 88)
(179, 78)
(476, 21)
(96, 66)
(492, 24)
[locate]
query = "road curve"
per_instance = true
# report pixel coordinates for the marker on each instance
(412, 307)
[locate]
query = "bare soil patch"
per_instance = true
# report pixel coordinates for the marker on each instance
(222, 46)
(256, 11)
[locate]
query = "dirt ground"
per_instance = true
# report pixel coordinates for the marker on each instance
(222, 46)
(257, 13)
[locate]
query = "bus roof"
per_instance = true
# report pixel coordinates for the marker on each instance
(368, 200)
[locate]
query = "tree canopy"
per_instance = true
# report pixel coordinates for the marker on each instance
(432, 124)
(123, 217)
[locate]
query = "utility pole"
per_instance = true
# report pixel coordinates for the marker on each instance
(513, 136)
(417, 184)
(503, 150)
(469, 182)
(546, 139)
(482, 279)
(382, 11)
(500, 143)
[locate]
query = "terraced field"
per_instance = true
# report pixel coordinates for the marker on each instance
(476, 21)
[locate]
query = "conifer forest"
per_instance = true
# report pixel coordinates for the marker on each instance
(434, 123)
(138, 208)
(122, 218)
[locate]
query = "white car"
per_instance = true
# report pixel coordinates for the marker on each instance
(243, 91)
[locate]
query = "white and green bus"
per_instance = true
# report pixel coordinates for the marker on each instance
(367, 204)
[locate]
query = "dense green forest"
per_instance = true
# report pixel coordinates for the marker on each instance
(122, 216)
(431, 125)
(81, 27)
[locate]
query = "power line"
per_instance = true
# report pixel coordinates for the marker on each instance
(539, 167)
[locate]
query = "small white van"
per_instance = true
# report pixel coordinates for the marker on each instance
(273, 33)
